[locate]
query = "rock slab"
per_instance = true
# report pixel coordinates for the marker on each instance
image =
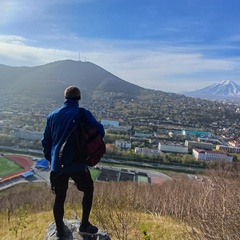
(72, 232)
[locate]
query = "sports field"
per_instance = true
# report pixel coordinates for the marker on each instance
(108, 175)
(142, 179)
(94, 173)
(8, 166)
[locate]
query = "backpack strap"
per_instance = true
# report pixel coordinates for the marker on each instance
(63, 146)
(81, 113)
(77, 125)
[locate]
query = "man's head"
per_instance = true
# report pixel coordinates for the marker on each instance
(72, 92)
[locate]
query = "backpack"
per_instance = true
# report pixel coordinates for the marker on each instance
(88, 148)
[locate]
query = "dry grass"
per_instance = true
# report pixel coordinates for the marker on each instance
(36, 225)
(180, 209)
(151, 227)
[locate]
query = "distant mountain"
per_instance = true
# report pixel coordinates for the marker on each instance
(225, 90)
(52, 78)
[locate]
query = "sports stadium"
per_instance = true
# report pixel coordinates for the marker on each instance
(13, 166)
(19, 167)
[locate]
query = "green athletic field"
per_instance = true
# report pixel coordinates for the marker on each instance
(7, 166)
(94, 173)
(142, 179)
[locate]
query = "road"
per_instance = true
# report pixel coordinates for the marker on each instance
(154, 165)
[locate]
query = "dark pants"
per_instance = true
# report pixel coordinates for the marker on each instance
(59, 184)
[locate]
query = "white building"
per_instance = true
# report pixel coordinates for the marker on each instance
(109, 123)
(174, 148)
(230, 149)
(120, 129)
(200, 154)
(201, 145)
(147, 151)
(209, 140)
(27, 135)
(142, 134)
(123, 144)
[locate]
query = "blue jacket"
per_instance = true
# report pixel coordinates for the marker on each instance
(59, 124)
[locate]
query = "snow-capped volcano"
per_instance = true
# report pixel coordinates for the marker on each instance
(224, 90)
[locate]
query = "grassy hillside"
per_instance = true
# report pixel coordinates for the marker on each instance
(178, 209)
(33, 226)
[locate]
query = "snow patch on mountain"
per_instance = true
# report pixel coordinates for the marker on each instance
(224, 89)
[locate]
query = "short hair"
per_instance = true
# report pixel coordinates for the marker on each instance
(72, 92)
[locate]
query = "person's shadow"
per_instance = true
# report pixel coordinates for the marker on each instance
(69, 236)
(89, 237)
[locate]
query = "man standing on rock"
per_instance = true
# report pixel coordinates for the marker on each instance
(59, 124)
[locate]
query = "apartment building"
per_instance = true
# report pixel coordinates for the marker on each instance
(200, 145)
(229, 149)
(206, 155)
(109, 123)
(174, 148)
(123, 144)
(146, 151)
(195, 133)
(27, 135)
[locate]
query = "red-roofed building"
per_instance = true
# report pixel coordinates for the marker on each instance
(205, 155)
(109, 147)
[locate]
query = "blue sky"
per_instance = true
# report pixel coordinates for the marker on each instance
(168, 45)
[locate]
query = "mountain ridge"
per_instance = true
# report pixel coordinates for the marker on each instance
(224, 90)
(54, 77)
(48, 81)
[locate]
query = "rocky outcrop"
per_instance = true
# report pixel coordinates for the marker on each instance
(72, 232)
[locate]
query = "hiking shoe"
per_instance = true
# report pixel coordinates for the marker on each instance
(88, 230)
(60, 234)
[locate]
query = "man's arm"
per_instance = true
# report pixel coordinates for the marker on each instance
(47, 143)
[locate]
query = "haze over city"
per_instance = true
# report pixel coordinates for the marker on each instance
(167, 45)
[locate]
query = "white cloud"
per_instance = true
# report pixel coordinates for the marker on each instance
(15, 51)
(154, 70)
